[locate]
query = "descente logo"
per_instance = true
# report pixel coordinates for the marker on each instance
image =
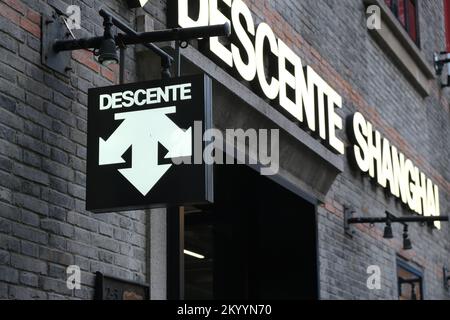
(258, 56)
(143, 97)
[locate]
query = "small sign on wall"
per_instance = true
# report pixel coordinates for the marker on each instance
(110, 288)
(138, 135)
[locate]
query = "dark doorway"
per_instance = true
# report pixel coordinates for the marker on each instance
(258, 241)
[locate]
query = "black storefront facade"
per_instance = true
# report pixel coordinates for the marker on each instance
(283, 236)
(251, 255)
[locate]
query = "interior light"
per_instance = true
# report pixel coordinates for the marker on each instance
(193, 254)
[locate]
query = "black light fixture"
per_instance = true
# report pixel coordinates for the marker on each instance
(107, 53)
(407, 245)
(388, 229)
(56, 46)
(349, 220)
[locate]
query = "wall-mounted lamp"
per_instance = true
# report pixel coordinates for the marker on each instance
(107, 53)
(350, 220)
(388, 234)
(56, 47)
(407, 245)
(440, 60)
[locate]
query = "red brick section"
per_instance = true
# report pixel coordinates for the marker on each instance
(283, 30)
(109, 74)
(17, 12)
(9, 14)
(30, 26)
(17, 5)
(34, 16)
(86, 58)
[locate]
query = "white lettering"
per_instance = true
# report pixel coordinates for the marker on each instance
(105, 102)
(406, 182)
(361, 148)
(288, 79)
(185, 21)
(217, 17)
(143, 97)
(335, 121)
(264, 32)
(296, 87)
(246, 70)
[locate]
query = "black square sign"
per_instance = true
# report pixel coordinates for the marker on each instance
(137, 134)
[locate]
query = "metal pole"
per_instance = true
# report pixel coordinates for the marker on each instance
(177, 59)
(122, 66)
(76, 44)
(395, 219)
(178, 34)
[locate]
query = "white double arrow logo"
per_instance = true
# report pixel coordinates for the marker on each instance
(143, 130)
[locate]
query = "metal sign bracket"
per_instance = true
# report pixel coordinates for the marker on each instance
(53, 27)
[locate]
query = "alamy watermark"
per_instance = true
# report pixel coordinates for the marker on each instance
(373, 17)
(258, 147)
(73, 17)
(374, 279)
(73, 277)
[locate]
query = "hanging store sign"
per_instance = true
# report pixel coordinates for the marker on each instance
(382, 161)
(135, 132)
(258, 56)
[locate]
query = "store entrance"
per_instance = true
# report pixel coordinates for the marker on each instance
(258, 241)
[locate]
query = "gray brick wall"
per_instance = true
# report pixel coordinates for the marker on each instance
(43, 225)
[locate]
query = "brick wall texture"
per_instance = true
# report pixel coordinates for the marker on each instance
(43, 224)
